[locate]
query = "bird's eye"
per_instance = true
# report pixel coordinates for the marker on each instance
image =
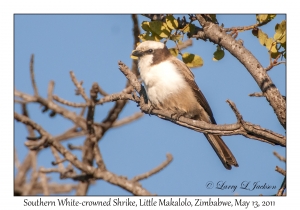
(150, 51)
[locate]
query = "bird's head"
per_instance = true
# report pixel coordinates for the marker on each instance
(151, 52)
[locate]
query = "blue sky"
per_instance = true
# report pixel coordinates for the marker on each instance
(91, 46)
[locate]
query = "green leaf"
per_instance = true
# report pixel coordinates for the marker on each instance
(280, 32)
(173, 51)
(145, 26)
(219, 54)
(172, 23)
(213, 18)
(274, 55)
(272, 16)
(189, 28)
(271, 45)
(147, 36)
(192, 60)
(262, 37)
(159, 28)
(262, 18)
(265, 18)
(175, 37)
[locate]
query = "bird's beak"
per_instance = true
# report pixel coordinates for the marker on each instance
(137, 53)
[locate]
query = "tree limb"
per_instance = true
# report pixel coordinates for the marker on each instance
(218, 36)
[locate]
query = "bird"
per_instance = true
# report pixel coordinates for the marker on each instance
(170, 85)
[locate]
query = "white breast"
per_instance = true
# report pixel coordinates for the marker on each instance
(160, 80)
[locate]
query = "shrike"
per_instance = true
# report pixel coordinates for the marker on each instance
(170, 85)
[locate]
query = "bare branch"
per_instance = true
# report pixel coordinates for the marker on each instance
(185, 44)
(257, 94)
(282, 188)
(155, 170)
(218, 36)
(136, 33)
(279, 156)
(128, 120)
(242, 127)
(50, 90)
(34, 175)
(108, 98)
(17, 162)
(280, 170)
(72, 147)
(78, 120)
(44, 183)
(32, 76)
(78, 86)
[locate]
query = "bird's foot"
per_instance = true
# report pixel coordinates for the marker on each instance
(177, 115)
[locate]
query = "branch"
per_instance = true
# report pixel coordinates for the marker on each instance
(32, 76)
(242, 127)
(218, 36)
(77, 120)
(120, 181)
(185, 44)
(155, 170)
(44, 183)
(128, 120)
(34, 175)
(280, 170)
(279, 157)
(107, 98)
(79, 86)
(282, 188)
(256, 94)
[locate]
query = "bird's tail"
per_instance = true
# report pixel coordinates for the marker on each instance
(222, 151)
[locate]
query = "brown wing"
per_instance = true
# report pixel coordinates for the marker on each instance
(189, 77)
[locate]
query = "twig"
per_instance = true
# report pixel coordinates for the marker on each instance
(155, 170)
(49, 170)
(44, 183)
(50, 90)
(215, 34)
(282, 188)
(73, 147)
(257, 94)
(58, 161)
(127, 120)
(71, 133)
(78, 120)
(244, 128)
(273, 64)
(78, 86)
(281, 158)
(108, 98)
(98, 157)
(245, 28)
(68, 103)
(34, 175)
(136, 33)
(17, 162)
(36, 145)
(280, 170)
(185, 44)
(32, 76)
(101, 91)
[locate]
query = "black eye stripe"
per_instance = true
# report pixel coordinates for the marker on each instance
(150, 51)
